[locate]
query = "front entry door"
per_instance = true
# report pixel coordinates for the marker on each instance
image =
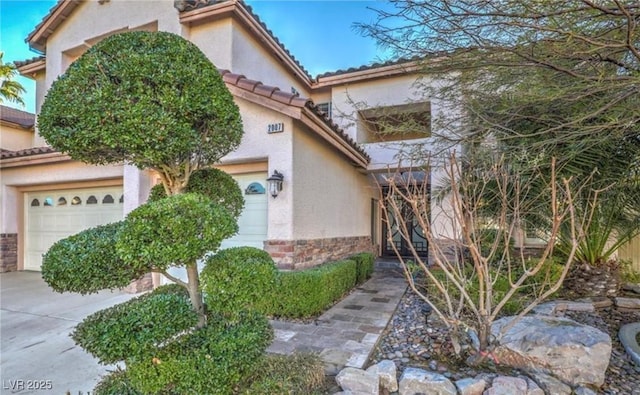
(403, 245)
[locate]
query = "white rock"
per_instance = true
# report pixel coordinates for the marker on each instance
(628, 303)
(470, 386)
(505, 385)
(631, 287)
(584, 391)
(386, 372)
(417, 381)
(532, 386)
(551, 385)
(358, 381)
(559, 307)
(575, 353)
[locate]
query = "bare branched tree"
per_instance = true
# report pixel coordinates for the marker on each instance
(472, 273)
(544, 80)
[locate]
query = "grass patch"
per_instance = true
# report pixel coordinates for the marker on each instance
(301, 373)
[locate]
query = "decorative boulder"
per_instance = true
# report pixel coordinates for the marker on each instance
(417, 381)
(471, 386)
(577, 354)
(504, 385)
(551, 385)
(628, 303)
(358, 381)
(386, 372)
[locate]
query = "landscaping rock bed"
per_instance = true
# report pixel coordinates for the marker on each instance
(411, 341)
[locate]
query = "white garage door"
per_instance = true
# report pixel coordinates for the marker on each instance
(56, 214)
(252, 223)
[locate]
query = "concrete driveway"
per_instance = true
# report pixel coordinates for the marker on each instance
(37, 356)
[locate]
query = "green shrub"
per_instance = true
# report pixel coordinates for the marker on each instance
(115, 383)
(300, 373)
(308, 292)
(364, 266)
(87, 262)
(211, 360)
(213, 183)
(174, 231)
(136, 326)
(237, 279)
(151, 99)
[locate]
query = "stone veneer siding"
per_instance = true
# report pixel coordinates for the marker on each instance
(302, 254)
(8, 252)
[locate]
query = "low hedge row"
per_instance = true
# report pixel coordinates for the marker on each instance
(309, 292)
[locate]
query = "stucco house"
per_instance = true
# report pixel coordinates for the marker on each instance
(313, 131)
(316, 132)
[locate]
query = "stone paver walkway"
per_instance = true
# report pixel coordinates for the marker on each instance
(346, 334)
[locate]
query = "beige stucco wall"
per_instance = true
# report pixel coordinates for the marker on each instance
(15, 138)
(257, 145)
(252, 60)
(331, 197)
(215, 40)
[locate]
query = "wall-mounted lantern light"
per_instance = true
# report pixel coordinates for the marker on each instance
(275, 183)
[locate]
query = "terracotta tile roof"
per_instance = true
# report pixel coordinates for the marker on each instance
(6, 154)
(370, 66)
(290, 99)
(20, 63)
(22, 118)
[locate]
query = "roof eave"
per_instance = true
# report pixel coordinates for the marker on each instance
(29, 70)
(368, 74)
(16, 125)
(311, 119)
(37, 39)
(35, 159)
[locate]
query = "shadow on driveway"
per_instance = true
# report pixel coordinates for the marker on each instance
(36, 350)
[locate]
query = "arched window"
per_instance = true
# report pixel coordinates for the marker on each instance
(108, 199)
(255, 188)
(62, 201)
(48, 202)
(35, 203)
(121, 199)
(76, 201)
(92, 200)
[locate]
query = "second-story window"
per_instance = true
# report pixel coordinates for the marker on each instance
(395, 123)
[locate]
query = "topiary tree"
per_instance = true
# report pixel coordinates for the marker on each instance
(151, 99)
(154, 100)
(213, 183)
(88, 263)
(176, 231)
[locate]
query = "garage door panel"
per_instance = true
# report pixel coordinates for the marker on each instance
(54, 215)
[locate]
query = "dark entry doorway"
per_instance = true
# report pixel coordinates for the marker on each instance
(392, 237)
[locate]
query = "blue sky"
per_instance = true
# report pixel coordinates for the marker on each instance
(319, 34)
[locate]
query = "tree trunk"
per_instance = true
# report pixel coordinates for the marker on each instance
(194, 293)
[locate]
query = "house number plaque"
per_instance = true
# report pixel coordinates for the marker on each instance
(275, 127)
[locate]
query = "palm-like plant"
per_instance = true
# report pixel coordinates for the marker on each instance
(10, 90)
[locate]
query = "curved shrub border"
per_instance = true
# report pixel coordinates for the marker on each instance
(309, 292)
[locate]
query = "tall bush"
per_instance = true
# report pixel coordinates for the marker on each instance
(238, 279)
